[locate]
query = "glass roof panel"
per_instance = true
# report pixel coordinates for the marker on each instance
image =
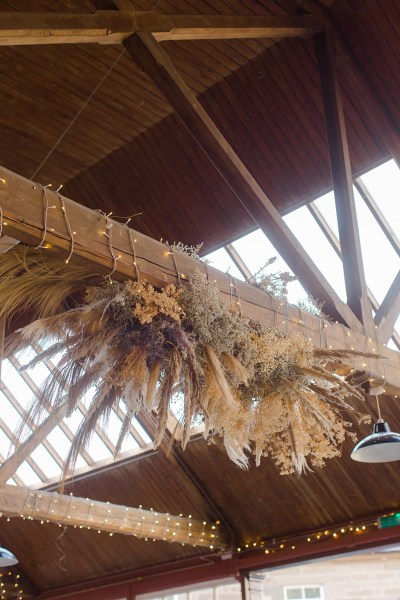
(381, 262)
(315, 243)
(255, 250)
(383, 183)
(220, 259)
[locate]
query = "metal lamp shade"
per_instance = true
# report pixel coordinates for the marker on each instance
(7, 558)
(382, 446)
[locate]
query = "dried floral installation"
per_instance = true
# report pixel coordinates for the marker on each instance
(264, 392)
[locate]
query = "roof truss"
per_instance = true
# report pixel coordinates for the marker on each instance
(112, 27)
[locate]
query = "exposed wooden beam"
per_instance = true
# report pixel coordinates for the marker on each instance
(154, 580)
(22, 203)
(104, 516)
(238, 261)
(153, 60)
(22, 453)
(112, 27)
(388, 312)
(356, 288)
(379, 216)
(354, 78)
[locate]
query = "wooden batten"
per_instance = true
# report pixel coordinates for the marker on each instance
(112, 27)
(22, 202)
(61, 509)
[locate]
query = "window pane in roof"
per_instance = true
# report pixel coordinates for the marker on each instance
(381, 262)
(9, 414)
(97, 449)
(255, 250)
(46, 462)
(220, 259)
(129, 444)
(326, 205)
(314, 242)
(59, 442)
(73, 421)
(16, 384)
(5, 444)
(142, 432)
(383, 183)
(27, 474)
(38, 374)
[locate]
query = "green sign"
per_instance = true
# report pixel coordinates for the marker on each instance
(389, 521)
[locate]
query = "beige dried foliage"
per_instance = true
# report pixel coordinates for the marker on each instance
(262, 391)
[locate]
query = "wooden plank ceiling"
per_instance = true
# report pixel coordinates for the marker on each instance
(126, 152)
(256, 505)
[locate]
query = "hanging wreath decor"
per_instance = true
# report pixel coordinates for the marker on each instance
(262, 391)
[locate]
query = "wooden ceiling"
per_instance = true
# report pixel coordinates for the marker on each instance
(255, 505)
(126, 152)
(87, 117)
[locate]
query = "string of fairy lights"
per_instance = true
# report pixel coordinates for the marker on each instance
(281, 308)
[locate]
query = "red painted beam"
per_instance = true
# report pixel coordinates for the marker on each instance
(201, 569)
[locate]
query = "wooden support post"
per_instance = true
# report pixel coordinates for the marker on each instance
(152, 59)
(39, 505)
(22, 204)
(356, 289)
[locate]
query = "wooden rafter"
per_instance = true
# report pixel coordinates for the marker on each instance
(112, 27)
(103, 516)
(24, 450)
(152, 59)
(356, 288)
(22, 204)
(354, 78)
(388, 312)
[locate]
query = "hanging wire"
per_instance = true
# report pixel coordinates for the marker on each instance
(84, 105)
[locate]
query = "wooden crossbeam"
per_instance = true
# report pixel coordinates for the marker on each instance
(22, 202)
(112, 27)
(113, 518)
(356, 288)
(388, 312)
(153, 60)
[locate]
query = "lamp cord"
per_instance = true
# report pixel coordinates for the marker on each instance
(379, 410)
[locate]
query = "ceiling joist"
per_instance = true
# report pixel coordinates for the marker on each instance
(22, 203)
(67, 510)
(112, 27)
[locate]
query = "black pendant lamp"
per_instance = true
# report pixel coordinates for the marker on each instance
(382, 445)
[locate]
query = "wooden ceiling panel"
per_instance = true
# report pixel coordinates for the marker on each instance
(255, 505)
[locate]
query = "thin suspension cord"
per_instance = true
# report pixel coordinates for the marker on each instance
(84, 105)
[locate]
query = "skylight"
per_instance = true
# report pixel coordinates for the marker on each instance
(18, 388)
(316, 228)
